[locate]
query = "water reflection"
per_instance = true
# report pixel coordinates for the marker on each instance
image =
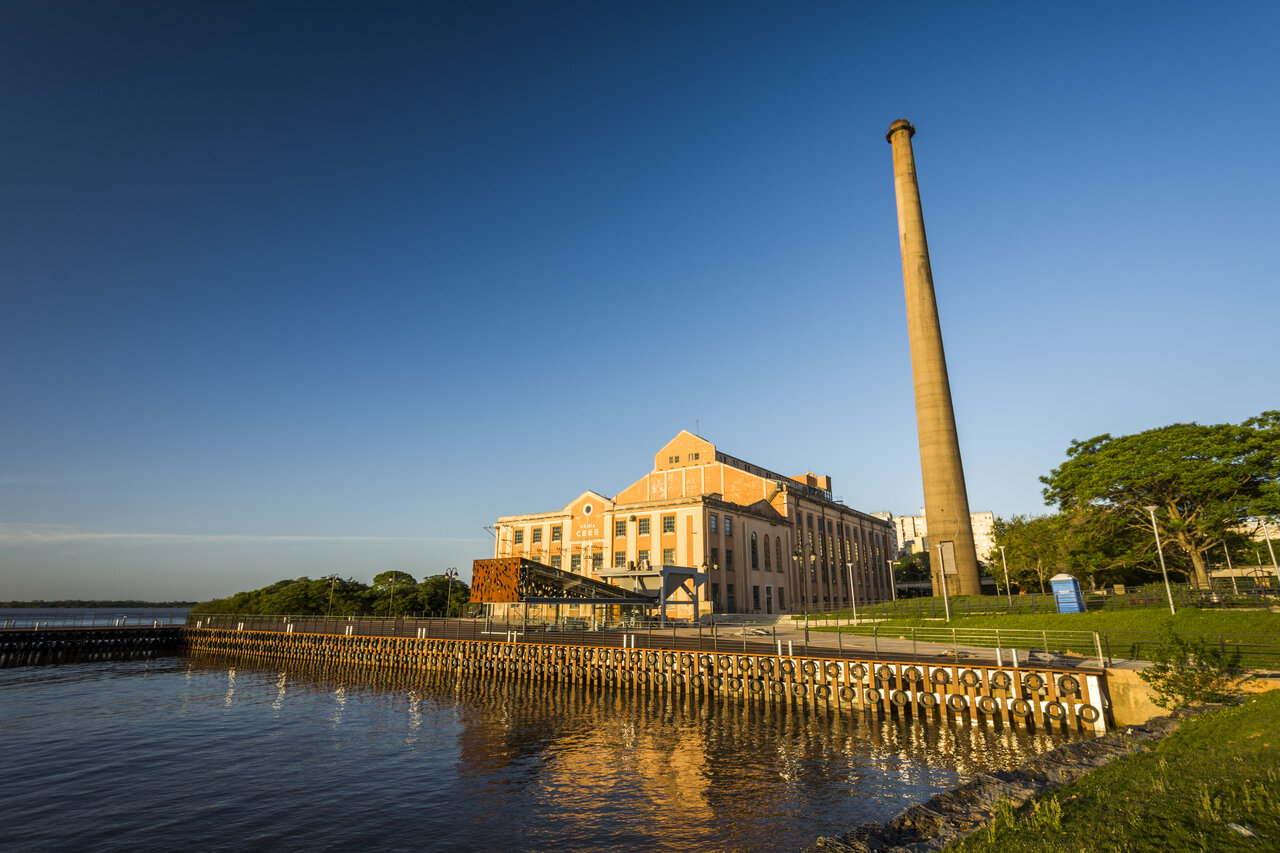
(552, 765)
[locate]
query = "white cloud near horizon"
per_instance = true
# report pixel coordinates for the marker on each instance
(18, 534)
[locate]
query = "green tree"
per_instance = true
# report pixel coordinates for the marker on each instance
(913, 567)
(1036, 548)
(1204, 480)
(396, 593)
(1188, 671)
(435, 589)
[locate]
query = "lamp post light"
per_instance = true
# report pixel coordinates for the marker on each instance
(1160, 550)
(797, 555)
(813, 578)
(853, 592)
(942, 572)
(1272, 551)
(893, 582)
(450, 573)
(1008, 590)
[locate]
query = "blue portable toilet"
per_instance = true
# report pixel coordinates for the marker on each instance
(1066, 591)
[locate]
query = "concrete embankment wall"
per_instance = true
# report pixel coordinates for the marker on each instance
(1043, 697)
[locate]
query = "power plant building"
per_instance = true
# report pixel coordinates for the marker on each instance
(768, 543)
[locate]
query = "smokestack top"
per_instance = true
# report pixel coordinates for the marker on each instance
(900, 124)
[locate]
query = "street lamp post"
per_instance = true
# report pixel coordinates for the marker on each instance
(1231, 573)
(797, 555)
(813, 577)
(1267, 534)
(942, 571)
(893, 582)
(853, 592)
(1160, 550)
(333, 580)
(450, 573)
(1008, 590)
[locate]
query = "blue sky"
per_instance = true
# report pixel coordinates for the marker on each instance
(307, 288)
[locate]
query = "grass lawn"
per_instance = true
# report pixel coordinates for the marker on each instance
(1187, 620)
(1216, 769)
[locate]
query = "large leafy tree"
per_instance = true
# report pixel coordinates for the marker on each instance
(913, 567)
(396, 593)
(436, 589)
(1036, 548)
(1205, 482)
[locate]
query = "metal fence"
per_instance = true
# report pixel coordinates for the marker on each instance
(41, 621)
(727, 636)
(1256, 651)
(1244, 594)
(1065, 649)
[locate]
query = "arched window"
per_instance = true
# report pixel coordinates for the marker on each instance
(768, 564)
(755, 553)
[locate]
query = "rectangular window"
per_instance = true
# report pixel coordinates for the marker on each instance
(829, 530)
(668, 556)
(673, 459)
(619, 559)
(695, 456)
(555, 561)
(668, 524)
(555, 533)
(715, 593)
(715, 558)
(642, 556)
(642, 527)
(519, 540)
(537, 534)
(810, 521)
(620, 528)
(728, 560)
(597, 561)
(728, 526)
(711, 522)
(755, 598)
(575, 563)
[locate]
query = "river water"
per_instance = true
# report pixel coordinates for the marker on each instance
(205, 753)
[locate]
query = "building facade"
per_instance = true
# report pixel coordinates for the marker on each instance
(768, 543)
(911, 534)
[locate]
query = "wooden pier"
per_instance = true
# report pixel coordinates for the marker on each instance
(1020, 696)
(49, 645)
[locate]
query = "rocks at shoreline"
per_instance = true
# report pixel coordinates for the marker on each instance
(967, 808)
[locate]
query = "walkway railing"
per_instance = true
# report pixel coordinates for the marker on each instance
(716, 637)
(92, 620)
(1257, 651)
(1246, 594)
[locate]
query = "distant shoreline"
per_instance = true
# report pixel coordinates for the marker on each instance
(86, 603)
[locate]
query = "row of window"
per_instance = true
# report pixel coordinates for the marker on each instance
(713, 521)
(693, 457)
(642, 526)
(537, 534)
(730, 604)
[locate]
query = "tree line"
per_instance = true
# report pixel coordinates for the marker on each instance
(1209, 488)
(392, 593)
